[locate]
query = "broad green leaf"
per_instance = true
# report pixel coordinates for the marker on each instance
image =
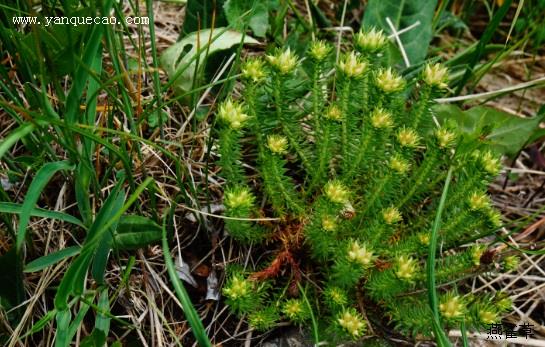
(404, 14)
(10, 207)
(95, 339)
(102, 321)
(76, 323)
(99, 237)
(506, 133)
(52, 258)
(34, 191)
(63, 324)
(135, 232)
(106, 220)
(73, 277)
(82, 182)
(179, 59)
(252, 13)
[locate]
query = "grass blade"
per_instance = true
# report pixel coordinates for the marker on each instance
(440, 336)
(50, 259)
(14, 208)
(189, 311)
(485, 38)
(34, 191)
(15, 136)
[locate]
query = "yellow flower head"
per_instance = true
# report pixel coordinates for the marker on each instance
(398, 164)
(284, 62)
(452, 306)
(360, 254)
(238, 197)
(319, 50)
(329, 224)
(406, 267)
(391, 215)
(381, 119)
(388, 81)
(232, 113)
(370, 41)
(494, 217)
(491, 164)
(477, 252)
(408, 137)
(487, 316)
(352, 66)
(445, 137)
(337, 192)
(436, 75)
(511, 262)
(237, 288)
(479, 201)
(352, 323)
(293, 309)
(424, 238)
(504, 302)
(334, 113)
(253, 70)
(336, 295)
(277, 144)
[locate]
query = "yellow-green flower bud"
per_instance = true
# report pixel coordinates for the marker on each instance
(388, 81)
(370, 41)
(398, 164)
(511, 262)
(351, 66)
(329, 223)
(334, 113)
(436, 75)
(504, 302)
(408, 137)
(477, 252)
(487, 316)
(336, 295)
(232, 113)
(491, 164)
(391, 215)
(238, 197)
(494, 217)
(406, 268)
(352, 323)
(360, 254)
(381, 119)
(424, 238)
(284, 62)
(294, 309)
(253, 70)
(445, 138)
(278, 144)
(337, 192)
(319, 50)
(479, 201)
(237, 288)
(452, 307)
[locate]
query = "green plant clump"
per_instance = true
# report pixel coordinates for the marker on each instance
(350, 167)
